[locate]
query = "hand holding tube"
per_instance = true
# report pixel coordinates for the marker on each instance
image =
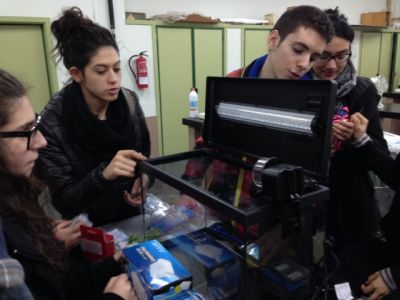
(123, 164)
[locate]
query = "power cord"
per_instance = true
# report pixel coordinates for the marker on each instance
(328, 249)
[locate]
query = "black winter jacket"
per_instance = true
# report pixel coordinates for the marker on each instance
(75, 187)
(82, 281)
(388, 169)
(352, 210)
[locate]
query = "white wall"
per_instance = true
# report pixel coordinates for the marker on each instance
(133, 39)
(254, 9)
(95, 9)
(233, 60)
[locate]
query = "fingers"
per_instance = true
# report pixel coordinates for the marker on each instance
(139, 183)
(73, 240)
(132, 154)
(119, 166)
(123, 164)
(61, 224)
(355, 118)
(110, 283)
(375, 287)
(57, 221)
(118, 256)
(372, 277)
(367, 289)
(343, 130)
(133, 199)
(121, 286)
(77, 227)
(374, 296)
(358, 117)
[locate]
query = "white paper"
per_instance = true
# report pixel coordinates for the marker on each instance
(343, 291)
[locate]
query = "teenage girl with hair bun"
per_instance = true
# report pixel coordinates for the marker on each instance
(96, 130)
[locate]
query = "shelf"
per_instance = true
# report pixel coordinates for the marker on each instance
(196, 123)
(391, 95)
(391, 110)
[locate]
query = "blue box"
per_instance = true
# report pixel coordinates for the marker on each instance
(285, 279)
(155, 273)
(210, 261)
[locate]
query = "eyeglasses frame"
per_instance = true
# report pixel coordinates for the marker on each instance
(24, 133)
(346, 58)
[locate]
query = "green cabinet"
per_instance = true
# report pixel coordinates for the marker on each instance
(396, 63)
(255, 44)
(186, 56)
(25, 52)
(208, 59)
(375, 54)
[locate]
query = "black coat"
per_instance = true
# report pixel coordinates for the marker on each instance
(372, 158)
(82, 280)
(352, 209)
(76, 186)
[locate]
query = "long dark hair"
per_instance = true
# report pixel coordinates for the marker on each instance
(19, 194)
(79, 38)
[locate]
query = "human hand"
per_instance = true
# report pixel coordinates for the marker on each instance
(343, 130)
(119, 256)
(134, 198)
(64, 232)
(375, 287)
(121, 286)
(360, 125)
(123, 164)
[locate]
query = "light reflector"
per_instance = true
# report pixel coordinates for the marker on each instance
(280, 119)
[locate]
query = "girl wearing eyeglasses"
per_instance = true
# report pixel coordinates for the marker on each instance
(352, 212)
(36, 241)
(96, 129)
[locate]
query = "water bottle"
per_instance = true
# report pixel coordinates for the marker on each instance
(193, 103)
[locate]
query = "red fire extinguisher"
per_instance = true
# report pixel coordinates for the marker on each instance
(141, 75)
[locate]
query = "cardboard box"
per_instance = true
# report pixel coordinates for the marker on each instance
(96, 244)
(271, 18)
(135, 16)
(155, 273)
(367, 19)
(196, 18)
(210, 261)
(381, 19)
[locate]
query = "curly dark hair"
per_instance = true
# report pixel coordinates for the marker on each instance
(18, 194)
(340, 24)
(304, 16)
(79, 38)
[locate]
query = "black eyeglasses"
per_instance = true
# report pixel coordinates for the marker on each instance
(339, 58)
(29, 134)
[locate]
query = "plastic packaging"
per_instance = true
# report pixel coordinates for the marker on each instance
(193, 103)
(82, 218)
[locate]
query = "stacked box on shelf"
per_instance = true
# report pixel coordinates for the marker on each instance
(210, 260)
(155, 273)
